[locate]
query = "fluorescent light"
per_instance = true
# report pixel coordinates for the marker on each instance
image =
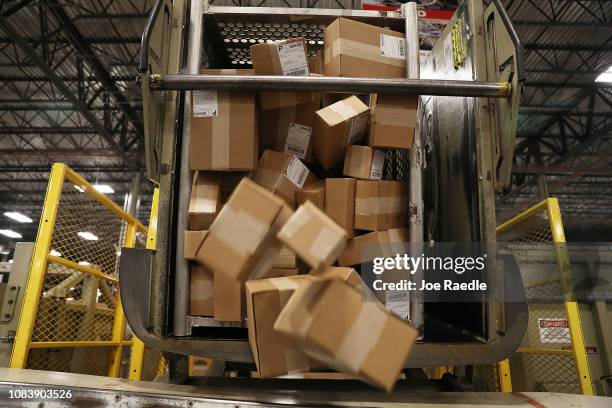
(87, 236)
(104, 188)
(79, 188)
(84, 263)
(53, 252)
(605, 76)
(19, 217)
(10, 261)
(10, 233)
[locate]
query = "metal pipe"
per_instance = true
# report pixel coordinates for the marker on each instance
(415, 226)
(181, 270)
(518, 46)
(143, 64)
(331, 84)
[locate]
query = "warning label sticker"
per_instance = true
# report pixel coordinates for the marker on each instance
(554, 330)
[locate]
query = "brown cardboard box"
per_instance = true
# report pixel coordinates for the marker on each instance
(223, 128)
(280, 272)
(333, 324)
(284, 57)
(289, 129)
(393, 121)
(314, 193)
(340, 202)
(336, 126)
(365, 248)
(282, 174)
(380, 205)
(204, 201)
(364, 162)
(285, 259)
(200, 291)
(274, 353)
(356, 49)
(192, 242)
(242, 241)
(313, 235)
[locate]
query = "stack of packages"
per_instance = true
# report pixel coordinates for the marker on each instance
(288, 190)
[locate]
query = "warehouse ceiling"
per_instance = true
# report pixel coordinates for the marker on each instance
(67, 71)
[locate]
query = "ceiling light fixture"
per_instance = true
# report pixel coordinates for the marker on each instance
(86, 235)
(605, 76)
(10, 233)
(104, 188)
(17, 216)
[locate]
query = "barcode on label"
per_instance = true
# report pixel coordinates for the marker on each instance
(395, 296)
(298, 139)
(392, 47)
(295, 150)
(299, 72)
(292, 58)
(296, 171)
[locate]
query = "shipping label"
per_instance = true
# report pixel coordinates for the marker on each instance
(296, 171)
(358, 127)
(298, 138)
(293, 59)
(378, 163)
(392, 47)
(398, 303)
(205, 104)
(554, 330)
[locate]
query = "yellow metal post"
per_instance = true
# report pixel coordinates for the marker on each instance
(138, 347)
(505, 380)
(38, 267)
(571, 306)
(119, 321)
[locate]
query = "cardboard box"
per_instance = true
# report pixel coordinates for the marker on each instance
(315, 193)
(289, 129)
(340, 202)
(333, 324)
(280, 272)
(223, 128)
(274, 353)
(242, 240)
(313, 235)
(336, 126)
(393, 121)
(364, 162)
(192, 242)
(284, 57)
(204, 201)
(285, 259)
(283, 174)
(380, 205)
(365, 248)
(357, 49)
(201, 294)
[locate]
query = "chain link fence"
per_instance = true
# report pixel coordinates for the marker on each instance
(71, 321)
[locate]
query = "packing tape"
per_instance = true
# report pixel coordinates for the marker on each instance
(265, 262)
(297, 221)
(296, 361)
(344, 110)
(359, 50)
(327, 245)
(394, 235)
(362, 336)
(379, 205)
(285, 288)
(220, 149)
(239, 230)
(390, 116)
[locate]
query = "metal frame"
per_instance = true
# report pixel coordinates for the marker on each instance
(41, 259)
(551, 207)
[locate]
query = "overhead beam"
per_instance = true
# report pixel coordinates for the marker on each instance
(545, 23)
(560, 171)
(85, 52)
(565, 47)
(65, 90)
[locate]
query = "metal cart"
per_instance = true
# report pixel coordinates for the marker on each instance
(470, 87)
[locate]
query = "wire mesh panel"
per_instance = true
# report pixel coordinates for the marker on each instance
(551, 356)
(485, 378)
(72, 320)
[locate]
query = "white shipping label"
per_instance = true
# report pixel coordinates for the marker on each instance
(296, 171)
(554, 330)
(298, 138)
(392, 47)
(205, 104)
(358, 127)
(293, 59)
(378, 163)
(398, 303)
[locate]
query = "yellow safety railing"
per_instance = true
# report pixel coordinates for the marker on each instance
(553, 360)
(72, 319)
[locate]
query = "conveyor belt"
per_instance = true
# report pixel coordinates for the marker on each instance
(92, 391)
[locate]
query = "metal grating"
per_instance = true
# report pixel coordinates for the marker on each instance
(79, 360)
